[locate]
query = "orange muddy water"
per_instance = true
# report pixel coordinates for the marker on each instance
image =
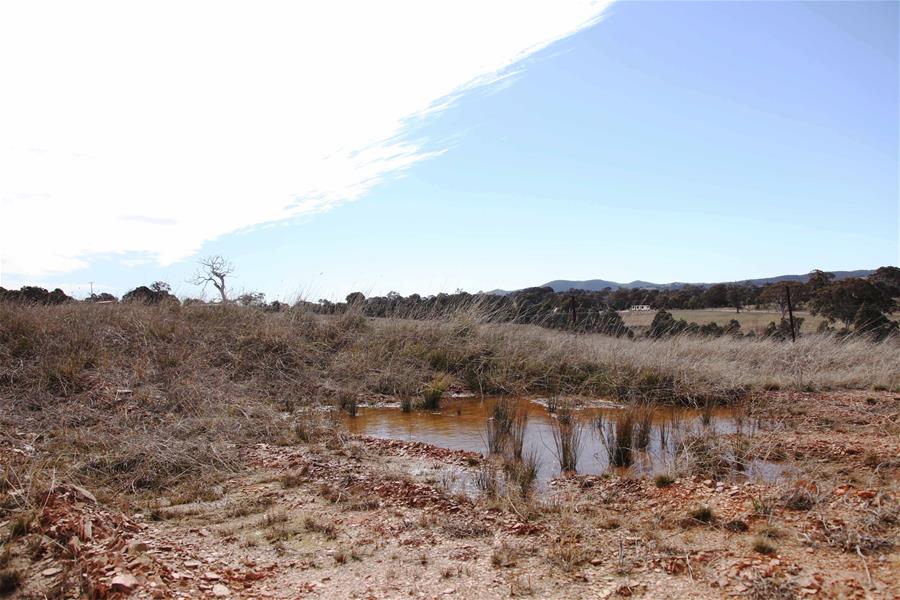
(460, 425)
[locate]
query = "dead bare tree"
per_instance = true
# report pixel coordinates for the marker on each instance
(214, 269)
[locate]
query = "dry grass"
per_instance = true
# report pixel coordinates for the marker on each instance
(521, 474)
(763, 545)
(566, 550)
(329, 530)
(700, 366)
(126, 398)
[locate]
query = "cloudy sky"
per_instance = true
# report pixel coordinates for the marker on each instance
(429, 146)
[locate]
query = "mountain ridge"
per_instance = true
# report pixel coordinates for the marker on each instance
(596, 285)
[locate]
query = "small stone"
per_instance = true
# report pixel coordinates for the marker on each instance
(596, 561)
(123, 582)
(192, 564)
(220, 591)
(210, 576)
(86, 495)
(137, 547)
(51, 571)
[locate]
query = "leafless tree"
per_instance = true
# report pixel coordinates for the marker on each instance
(214, 269)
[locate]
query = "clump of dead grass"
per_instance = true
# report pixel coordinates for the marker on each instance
(329, 530)
(566, 550)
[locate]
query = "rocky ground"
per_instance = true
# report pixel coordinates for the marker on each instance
(356, 517)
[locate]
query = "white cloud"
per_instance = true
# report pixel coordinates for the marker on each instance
(149, 128)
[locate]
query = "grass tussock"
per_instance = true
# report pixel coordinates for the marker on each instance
(10, 580)
(763, 545)
(702, 514)
(434, 392)
(662, 480)
(521, 474)
(567, 428)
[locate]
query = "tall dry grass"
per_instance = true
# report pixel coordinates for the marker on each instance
(135, 397)
(690, 366)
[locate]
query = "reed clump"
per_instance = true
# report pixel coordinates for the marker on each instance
(617, 437)
(567, 427)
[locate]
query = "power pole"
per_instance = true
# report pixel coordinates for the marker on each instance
(787, 290)
(92, 288)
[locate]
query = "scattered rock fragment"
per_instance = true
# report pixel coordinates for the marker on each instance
(123, 582)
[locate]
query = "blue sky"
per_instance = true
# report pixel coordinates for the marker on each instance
(688, 141)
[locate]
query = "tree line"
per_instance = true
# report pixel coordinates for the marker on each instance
(852, 305)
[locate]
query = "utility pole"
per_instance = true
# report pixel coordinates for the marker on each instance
(92, 288)
(787, 290)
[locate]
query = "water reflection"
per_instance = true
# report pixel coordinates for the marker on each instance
(460, 425)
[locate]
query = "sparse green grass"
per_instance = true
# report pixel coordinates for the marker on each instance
(750, 320)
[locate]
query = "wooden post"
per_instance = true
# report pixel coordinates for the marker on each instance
(787, 290)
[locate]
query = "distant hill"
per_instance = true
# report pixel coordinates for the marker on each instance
(596, 285)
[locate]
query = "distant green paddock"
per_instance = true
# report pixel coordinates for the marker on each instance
(750, 320)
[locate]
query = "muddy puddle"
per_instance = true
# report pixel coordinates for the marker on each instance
(460, 425)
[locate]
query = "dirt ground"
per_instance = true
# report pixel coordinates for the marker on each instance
(357, 517)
